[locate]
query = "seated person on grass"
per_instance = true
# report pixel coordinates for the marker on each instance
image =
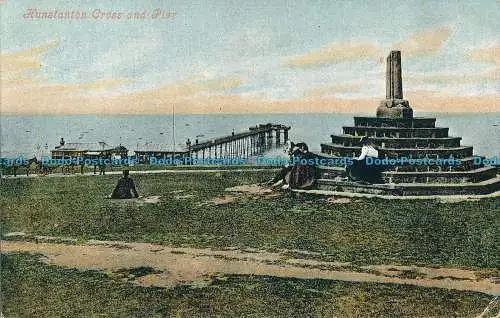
(125, 188)
(304, 173)
(291, 150)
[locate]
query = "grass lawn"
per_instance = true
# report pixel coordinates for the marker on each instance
(22, 170)
(365, 231)
(33, 289)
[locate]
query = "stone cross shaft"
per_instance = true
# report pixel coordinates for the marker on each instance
(393, 81)
(394, 106)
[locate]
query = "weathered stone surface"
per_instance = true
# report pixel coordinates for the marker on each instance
(398, 111)
(394, 81)
(394, 106)
(394, 103)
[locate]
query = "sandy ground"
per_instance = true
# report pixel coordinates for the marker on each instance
(140, 201)
(198, 266)
(251, 188)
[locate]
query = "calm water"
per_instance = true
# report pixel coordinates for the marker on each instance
(36, 135)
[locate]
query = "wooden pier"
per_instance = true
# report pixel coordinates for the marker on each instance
(256, 140)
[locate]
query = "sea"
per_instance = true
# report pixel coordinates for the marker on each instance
(36, 136)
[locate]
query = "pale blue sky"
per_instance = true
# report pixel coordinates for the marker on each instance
(254, 40)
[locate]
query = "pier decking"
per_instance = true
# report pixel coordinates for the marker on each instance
(256, 140)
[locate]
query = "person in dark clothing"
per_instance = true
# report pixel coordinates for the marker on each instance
(102, 169)
(125, 188)
(304, 173)
(360, 171)
(291, 150)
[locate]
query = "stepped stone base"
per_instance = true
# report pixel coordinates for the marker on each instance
(413, 189)
(421, 159)
(411, 138)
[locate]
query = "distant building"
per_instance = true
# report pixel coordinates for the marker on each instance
(144, 153)
(88, 150)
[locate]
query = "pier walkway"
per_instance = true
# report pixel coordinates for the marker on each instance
(256, 140)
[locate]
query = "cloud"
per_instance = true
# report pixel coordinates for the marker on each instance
(220, 84)
(34, 83)
(77, 98)
(339, 88)
(21, 62)
(432, 101)
(189, 89)
(20, 82)
(491, 55)
(336, 53)
(491, 75)
(24, 90)
(194, 98)
(488, 55)
(425, 43)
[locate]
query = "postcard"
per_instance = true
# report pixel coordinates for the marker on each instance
(231, 158)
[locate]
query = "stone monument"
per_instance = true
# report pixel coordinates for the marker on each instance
(394, 106)
(401, 136)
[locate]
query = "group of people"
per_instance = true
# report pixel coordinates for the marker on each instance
(303, 176)
(295, 174)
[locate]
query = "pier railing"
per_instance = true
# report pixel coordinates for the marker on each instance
(245, 144)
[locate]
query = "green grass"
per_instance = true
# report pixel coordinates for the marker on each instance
(75, 170)
(33, 289)
(367, 231)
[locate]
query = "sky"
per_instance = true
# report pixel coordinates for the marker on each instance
(245, 56)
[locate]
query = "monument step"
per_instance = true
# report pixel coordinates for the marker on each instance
(348, 186)
(466, 164)
(392, 142)
(355, 151)
(415, 122)
(328, 172)
(483, 187)
(396, 132)
(471, 176)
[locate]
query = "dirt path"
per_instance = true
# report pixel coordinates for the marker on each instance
(195, 266)
(206, 169)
